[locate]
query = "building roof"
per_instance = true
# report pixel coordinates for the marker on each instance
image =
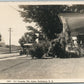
(75, 22)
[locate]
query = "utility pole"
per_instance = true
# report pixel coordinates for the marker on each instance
(9, 40)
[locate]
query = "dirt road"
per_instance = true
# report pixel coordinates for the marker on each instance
(56, 68)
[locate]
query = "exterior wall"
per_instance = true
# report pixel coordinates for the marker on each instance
(81, 39)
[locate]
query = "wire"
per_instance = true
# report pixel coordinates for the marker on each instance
(15, 8)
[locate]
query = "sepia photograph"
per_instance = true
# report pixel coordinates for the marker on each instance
(41, 41)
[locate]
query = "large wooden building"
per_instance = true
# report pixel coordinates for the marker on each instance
(75, 22)
(81, 39)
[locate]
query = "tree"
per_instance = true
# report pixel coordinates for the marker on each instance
(29, 37)
(22, 41)
(47, 17)
(0, 37)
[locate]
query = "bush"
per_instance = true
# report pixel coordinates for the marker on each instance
(57, 49)
(38, 50)
(7, 46)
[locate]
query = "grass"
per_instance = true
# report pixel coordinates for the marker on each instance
(5, 50)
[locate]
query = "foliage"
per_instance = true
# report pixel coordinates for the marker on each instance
(46, 16)
(28, 37)
(32, 29)
(22, 41)
(38, 50)
(31, 36)
(7, 46)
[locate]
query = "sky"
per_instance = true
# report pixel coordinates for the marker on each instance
(10, 18)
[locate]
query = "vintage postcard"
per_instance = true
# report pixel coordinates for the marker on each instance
(42, 42)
